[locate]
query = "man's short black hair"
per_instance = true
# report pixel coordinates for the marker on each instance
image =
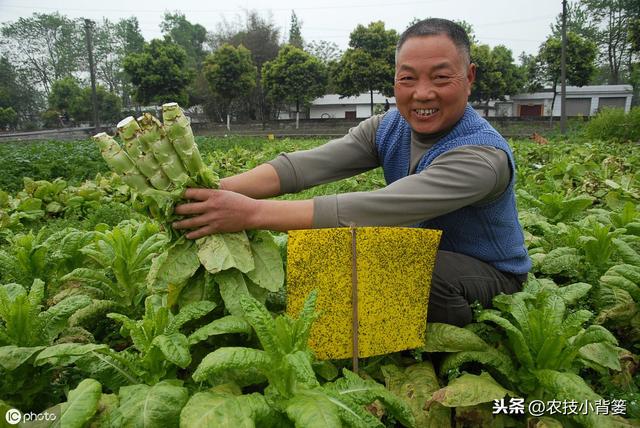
(437, 27)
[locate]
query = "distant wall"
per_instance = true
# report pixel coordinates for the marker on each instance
(508, 126)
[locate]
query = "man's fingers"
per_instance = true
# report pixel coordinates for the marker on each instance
(191, 223)
(190, 208)
(203, 231)
(198, 194)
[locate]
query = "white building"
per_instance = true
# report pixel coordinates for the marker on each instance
(581, 101)
(333, 107)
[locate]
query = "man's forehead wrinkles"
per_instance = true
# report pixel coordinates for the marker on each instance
(437, 66)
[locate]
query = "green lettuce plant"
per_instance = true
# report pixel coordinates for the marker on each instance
(544, 348)
(122, 258)
(160, 345)
(293, 395)
(26, 330)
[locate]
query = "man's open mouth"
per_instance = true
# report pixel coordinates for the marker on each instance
(426, 111)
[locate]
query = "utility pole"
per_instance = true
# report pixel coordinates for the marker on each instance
(88, 28)
(563, 72)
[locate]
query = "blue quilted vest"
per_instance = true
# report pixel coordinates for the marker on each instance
(489, 232)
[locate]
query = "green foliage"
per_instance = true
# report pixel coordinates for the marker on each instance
(615, 125)
(25, 323)
(609, 23)
(25, 259)
(294, 77)
(75, 160)
(23, 99)
(230, 73)
(368, 65)
(159, 343)
(581, 55)
(67, 97)
(81, 405)
(159, 73)
(122, 258)
(579, 211)
(295, 36)
(8, 117)
(286, 362)
(415, 385)
(544, 344)
(496, 73)
(109, 105)
(634, 34)
(191, 37)
(52, 42)
(144, 405)
(326, 52)
(63, 94)
(112, 42)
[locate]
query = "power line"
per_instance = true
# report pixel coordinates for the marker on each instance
(361, 6)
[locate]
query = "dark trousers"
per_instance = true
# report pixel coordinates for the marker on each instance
(459, 280)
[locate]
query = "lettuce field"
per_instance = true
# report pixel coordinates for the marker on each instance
(109, 319)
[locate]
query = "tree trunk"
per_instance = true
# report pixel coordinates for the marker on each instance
(553, 101)
(371, 93)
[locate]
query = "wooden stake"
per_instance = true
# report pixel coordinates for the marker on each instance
(354, 297)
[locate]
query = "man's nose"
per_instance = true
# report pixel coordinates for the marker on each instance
(424, 90)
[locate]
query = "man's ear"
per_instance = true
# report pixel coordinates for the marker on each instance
(471, 73)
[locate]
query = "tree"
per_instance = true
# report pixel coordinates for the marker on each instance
(295, 36)
(191, 37)
(261, 37)
(611, 21)
(496, 74)
(368, 65)
(109, 106)
(581, 55)
(294, 76)
(159, 73)
(8, 118)
(325, 51)
(112, 42)
(47, 47)
(22, 98)
(578, 22)
(231, 75)
(63, 94)
(68, 98)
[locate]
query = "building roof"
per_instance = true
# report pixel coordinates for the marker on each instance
(609, 90)
(334, 99)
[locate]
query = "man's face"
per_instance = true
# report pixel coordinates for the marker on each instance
(432, 83)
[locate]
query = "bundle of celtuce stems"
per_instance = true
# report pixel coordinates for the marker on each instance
(159, 161)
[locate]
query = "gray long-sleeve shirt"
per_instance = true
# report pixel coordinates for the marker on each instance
(467, 175)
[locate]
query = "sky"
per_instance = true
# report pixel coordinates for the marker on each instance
(521, 25)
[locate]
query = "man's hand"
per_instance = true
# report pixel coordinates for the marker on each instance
(215, 211)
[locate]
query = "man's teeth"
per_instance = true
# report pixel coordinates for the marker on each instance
(426, 111)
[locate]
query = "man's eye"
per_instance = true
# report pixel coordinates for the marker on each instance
(405, 78)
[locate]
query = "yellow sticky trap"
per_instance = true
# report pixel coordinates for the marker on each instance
(394, 267)
(271, 137)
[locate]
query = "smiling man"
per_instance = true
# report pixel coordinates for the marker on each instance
(445, 166)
